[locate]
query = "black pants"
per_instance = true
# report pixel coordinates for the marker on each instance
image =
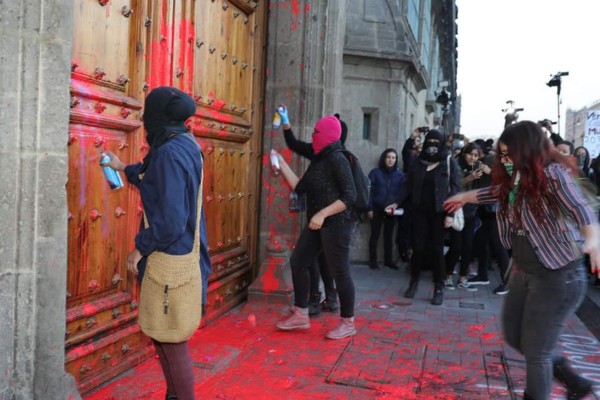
(461, 246)
(489, 238)
(321, 270)
(428, 244)
(389, 223)
(403, 237)
(334, 242)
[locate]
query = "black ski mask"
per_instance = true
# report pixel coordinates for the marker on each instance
(165, 111)
(433, 147)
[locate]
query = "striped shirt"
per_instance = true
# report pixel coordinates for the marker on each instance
(555, 239)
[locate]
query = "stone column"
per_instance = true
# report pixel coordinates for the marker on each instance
(304, 64)
(34, 113)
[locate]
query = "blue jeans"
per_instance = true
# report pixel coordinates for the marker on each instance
(538, 304)
(334, 242)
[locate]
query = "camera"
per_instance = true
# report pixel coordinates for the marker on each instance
(476, 165)
(423, 129)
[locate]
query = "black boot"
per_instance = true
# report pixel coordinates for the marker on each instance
(412, 288)
(438, 294)
(331, 302)
(314, 304)
(577, 387)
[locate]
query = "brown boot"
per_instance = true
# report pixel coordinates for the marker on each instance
(344, 330)
(298, 320)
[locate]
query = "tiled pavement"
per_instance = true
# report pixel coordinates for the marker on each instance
(405, 349)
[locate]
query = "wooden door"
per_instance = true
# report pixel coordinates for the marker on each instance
(121, 50)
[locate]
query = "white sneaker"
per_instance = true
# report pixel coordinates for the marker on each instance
(298, 320)
(449, 284)
(344, 330)
(464, 284)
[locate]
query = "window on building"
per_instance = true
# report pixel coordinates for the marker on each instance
(370, 124)
(413, 17)
(367, 126)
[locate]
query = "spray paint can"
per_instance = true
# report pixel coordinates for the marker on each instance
(113, 177)
(276, 121)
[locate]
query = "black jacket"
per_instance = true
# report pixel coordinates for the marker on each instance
(414, 180)
(327, 179)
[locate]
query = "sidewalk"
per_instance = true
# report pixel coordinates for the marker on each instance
(404, 349)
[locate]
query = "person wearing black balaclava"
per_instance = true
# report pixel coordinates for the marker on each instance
(169, 180)
(426, 187)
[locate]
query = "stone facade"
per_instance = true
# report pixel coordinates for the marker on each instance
(34, 110)
(391, 78)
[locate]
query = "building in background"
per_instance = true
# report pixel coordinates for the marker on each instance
(399, 62)
(583, 129)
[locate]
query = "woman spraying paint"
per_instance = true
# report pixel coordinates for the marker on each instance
(330, 191)
(170, 184)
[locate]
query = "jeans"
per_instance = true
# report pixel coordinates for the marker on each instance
(461, 246)
(389, 223)
(490, 238)
(538, 304)
(334, 241)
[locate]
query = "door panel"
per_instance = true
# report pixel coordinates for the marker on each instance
(122, 49)
(106, 108)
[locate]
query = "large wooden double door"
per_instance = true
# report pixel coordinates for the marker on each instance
(212, 49)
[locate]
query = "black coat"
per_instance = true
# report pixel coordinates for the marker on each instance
(444, 187)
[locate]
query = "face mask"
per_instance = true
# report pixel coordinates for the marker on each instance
(509, 168)
(581, 160)
(430, 149)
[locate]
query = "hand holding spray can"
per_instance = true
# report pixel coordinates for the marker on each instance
(277, 117)
(113, 177)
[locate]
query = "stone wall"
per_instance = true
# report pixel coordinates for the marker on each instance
(34, 114)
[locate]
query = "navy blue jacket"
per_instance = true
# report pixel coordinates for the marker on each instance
(169, 193)
(385, 187)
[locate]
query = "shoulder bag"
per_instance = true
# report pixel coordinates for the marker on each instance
(171, 292)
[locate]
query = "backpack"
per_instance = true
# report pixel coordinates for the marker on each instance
(361, 181)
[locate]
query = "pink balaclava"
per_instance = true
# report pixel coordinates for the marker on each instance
(327, 130)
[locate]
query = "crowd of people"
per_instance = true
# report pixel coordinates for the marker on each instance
(527, 201)
(523, 201)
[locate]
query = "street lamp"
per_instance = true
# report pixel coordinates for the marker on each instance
(443, 98)
(556, 81)
(512, 113)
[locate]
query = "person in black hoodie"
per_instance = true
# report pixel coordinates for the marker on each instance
(330, 191)
(330, 303)
(386, 181)
(427, 186)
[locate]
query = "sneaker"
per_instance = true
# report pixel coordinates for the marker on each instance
(330, 305)
(502, 289)
(298, 320)
(449, 284)
(478, 280)
(464, 284)
(344, 330)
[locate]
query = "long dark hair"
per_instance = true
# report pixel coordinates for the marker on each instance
(530, 151)
(384, 155)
